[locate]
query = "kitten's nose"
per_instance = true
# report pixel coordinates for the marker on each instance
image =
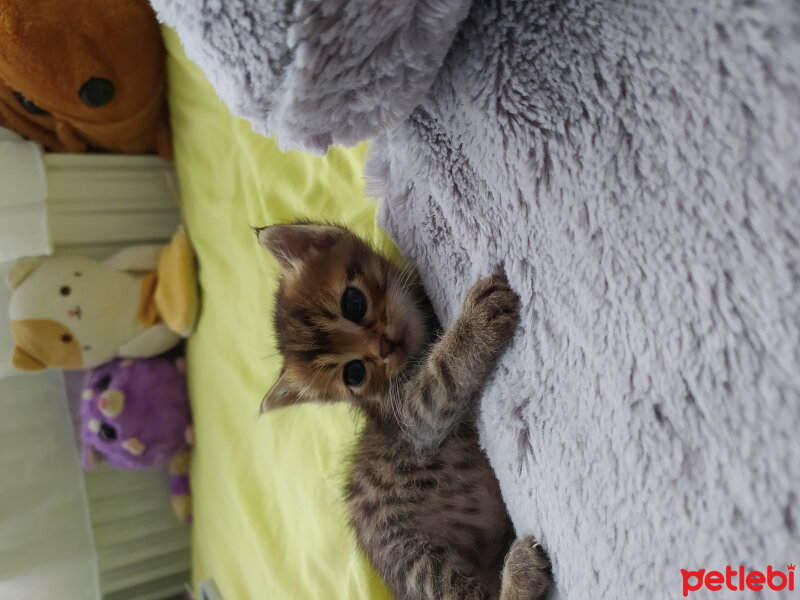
(387, 346)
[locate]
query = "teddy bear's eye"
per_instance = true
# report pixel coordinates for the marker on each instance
(29, 105)
(66, 338)
(98, 91)
(103, 384)
(66, 290)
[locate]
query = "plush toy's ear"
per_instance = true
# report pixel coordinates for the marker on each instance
(10, 21)
(281, 395)
(136, 259)
(20, 271)
(291, 244)
(22, 361)
(92, 457)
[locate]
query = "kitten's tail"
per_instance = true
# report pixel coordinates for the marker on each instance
(179, 485)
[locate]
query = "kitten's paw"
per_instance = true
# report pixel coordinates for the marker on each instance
(493, 308)
(527, 574)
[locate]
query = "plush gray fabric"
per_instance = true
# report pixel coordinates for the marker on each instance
(633, 166)
(317, 73)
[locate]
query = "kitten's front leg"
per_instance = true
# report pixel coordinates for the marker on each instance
(437, 397)
(527, 573)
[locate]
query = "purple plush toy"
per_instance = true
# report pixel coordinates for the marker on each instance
(135, 414)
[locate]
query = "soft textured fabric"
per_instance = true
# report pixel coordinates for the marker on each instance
(318, 73)
(269, 516)
(48, 546)
(23, 189)
(633, 166)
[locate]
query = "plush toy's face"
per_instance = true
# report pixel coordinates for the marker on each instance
(134, 413)
(63, 314)
(81, 72)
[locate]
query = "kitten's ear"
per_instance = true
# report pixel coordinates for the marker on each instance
(291, 244)
(281, 395)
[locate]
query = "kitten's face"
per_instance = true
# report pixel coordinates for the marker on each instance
(347, 320)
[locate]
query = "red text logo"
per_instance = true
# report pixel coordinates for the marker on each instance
(737, 579)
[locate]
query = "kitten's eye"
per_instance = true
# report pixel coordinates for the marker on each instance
(354, 305)
(103, 384)
(66, 290)
(66, 338)
(354, 373)
(107, 433)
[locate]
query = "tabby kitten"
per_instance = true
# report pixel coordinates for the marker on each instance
(421, 496)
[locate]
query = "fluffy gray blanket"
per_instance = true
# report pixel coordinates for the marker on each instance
(634, 166)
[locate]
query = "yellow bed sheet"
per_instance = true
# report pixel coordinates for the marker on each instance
(269, 517)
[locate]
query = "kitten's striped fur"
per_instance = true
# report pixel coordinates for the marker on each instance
(422, 498)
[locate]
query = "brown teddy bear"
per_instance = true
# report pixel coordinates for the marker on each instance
(84, 74)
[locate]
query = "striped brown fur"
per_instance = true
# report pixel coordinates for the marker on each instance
(422, 497)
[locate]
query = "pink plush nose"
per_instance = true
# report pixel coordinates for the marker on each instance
(111, 402)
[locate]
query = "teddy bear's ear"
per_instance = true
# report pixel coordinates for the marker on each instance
(9, 19)
(20, 271)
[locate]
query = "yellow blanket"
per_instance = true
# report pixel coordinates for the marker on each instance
(269, 517)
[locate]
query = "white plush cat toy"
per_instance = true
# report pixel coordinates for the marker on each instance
(78, 313)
